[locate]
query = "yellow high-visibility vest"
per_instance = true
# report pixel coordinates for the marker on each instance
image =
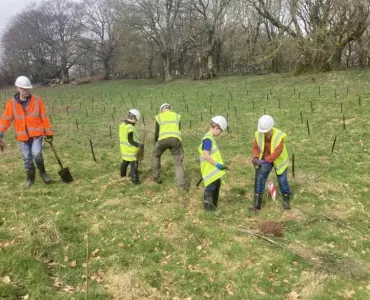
(209, 172)
(128, 151)
(281, 163)
(169, 125)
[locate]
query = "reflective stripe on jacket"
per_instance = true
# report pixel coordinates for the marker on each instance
(128, 151)
(34, 122)
(281, 163)
(169, 125)
(209, 172)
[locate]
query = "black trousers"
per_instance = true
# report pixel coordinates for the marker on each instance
(133, 170)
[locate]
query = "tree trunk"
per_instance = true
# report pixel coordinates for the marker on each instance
(210, 65)
(65, 75)
(167, 66)
(106, 70)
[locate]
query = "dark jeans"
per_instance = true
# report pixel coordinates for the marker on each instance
(175, 146)
(32, 151)
(262, 174)
(134, 173)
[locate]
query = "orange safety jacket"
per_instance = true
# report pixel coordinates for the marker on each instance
(34, 122)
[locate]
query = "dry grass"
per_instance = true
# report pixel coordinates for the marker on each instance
(310, 284)
(128, 286)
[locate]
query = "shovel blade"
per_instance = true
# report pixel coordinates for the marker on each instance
(66, 175)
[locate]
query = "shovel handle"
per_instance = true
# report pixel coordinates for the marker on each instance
(56, 154)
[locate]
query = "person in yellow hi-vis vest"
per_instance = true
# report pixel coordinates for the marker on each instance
(168, 136)
(269, 151)
(129, 145)
(211, 164)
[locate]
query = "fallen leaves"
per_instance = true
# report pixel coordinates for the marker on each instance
(6, 279)
(6, 244)
(95, 252)
(228, 290)
(293, 295)
(97, 276)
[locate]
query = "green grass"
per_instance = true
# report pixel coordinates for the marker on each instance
(151, 242)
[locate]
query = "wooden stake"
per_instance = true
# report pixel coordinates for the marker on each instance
(293, 165)
(332, 148)
(308, 127)
(344, 122)
(359, 100)
(311, 106)
(76, 123)
(92, 150)
(110, 131)
(301, 117)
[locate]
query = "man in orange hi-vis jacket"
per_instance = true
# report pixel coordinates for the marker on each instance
(31, 124)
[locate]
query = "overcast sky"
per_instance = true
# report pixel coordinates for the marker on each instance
(9, 8)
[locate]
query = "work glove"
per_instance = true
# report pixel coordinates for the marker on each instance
(260, 162)
(141, 145)
(221, 166)
(49, 138)
(255, 160)
(1, 134)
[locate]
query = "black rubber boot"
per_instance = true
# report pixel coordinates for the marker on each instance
(257, 201)
(124, 166)
(208, 201)
(45, 177)
(215, 197)
(30, 174)
(134, 173)
(286, 202)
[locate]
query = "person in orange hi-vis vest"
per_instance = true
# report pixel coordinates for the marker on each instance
(31, 124)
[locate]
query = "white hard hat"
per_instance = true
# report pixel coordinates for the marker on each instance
(221, 121)
(136, 113)
(164, 106)
(23, 82)
(265, 123)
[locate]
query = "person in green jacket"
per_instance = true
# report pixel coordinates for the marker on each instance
(129, 145)
(211, 164)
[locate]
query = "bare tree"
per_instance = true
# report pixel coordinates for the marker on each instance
(62, 27)
(206, 34)
(104, 31)
(157, 18)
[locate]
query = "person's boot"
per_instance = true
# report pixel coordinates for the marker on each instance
(286, 202)
(45, 177)
(257, 201)
(135, 174)
(30, 174)
(208, 201)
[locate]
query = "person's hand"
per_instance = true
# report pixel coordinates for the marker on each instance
(221, 166)
(49, 138)
(260, 162)
(255, 160)
(141, 145)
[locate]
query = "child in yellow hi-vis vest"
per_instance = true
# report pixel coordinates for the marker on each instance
(211, 164)
(129, 145)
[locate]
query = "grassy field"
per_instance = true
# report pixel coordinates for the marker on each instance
(150, 241)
